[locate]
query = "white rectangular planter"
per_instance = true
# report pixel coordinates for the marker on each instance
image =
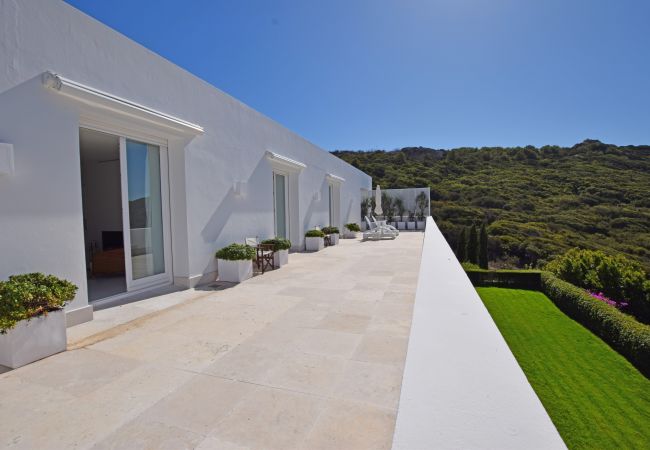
(410, 225)
(401, 225)
(234, 271)
(31, 340)
(421, 225)
(280, 258)
(334, 238)
(314, 244)
(350, 235)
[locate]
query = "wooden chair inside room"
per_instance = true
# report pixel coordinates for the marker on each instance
(264, 254)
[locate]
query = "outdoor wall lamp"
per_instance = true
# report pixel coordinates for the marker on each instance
(6, 159)
(317, 196)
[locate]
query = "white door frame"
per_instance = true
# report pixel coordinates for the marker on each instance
(287, 224)
(161, 278)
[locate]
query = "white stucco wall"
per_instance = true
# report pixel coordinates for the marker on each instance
(462, 387)
(41, 208)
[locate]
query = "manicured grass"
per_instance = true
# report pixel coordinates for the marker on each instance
(595, 397)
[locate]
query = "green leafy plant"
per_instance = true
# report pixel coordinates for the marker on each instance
(469, 266)
(236, 252)
(330, 230)
(421, 202)
(614, 276)
(353, 227)
(315, 233)
(278, 243)
(23, 297)
(388, 206)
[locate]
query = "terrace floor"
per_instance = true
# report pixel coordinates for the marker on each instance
(308, 356)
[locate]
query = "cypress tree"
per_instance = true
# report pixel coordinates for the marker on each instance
(461, 246)
(483, 247)
(472, 245)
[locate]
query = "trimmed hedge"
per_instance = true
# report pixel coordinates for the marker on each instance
(278, 243)
(315, 233)
(236, 252)
(514, 279)
(30, 295)
(622, 332)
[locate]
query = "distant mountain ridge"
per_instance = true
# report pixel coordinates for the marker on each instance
(538, 202)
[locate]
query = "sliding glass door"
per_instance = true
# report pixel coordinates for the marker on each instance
(145, 213)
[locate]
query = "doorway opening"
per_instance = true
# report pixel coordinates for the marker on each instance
(102, 214)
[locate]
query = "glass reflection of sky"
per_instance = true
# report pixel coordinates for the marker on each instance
(137, 170)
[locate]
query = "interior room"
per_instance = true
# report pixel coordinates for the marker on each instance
(102, 213)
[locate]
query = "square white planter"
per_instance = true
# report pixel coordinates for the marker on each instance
(334, 238)
(401, 225)
(314, 244)
(421, 225)
(280, 258)
(410, 225)
(350, 235)
(31, 340)
(234, 271)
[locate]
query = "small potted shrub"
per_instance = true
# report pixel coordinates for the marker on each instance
(281, 250)
(333, 233)
(235, 263)
(352, 230)
(314, 240)
(410, 225)
(32, 320)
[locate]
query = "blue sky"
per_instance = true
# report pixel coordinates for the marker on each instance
(365, 74)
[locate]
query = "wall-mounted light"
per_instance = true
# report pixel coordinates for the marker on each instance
(239, 188)
(317, 196)
(6, 159)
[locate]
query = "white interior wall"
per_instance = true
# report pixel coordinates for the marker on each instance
(44, 194)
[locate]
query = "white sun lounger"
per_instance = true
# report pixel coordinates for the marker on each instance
(376, 232)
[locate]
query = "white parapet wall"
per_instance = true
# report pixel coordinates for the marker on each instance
(462, 387)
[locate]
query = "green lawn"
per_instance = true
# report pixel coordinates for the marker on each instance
(595, 397)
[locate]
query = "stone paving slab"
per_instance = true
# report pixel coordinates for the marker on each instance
(307, 356)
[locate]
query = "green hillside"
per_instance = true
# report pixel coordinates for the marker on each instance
(538, 202)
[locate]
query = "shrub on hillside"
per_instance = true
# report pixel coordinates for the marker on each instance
(614, 276)
(621, 331)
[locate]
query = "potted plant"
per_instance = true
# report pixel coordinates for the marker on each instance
(399, 206)
(333, 233)
(411, 221)
(353, 229)
(280, 250)
(235, 262)
(421, 202)
(314, 240)
(32, 320)
(367, 205)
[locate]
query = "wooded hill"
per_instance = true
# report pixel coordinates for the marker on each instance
(537, 202)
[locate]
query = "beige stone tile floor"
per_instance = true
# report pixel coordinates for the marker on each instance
(309, 356)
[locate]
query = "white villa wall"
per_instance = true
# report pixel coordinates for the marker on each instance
(41, 204)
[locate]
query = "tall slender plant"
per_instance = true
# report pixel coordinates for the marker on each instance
(472, 245)
(483, 247)
(399, 206)
(461, 246)
(421, 202)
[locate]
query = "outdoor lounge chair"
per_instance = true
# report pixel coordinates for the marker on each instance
(376, 232)
(385, 225)
(263, 254)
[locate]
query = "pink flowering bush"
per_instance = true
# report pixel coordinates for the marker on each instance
(600, 296)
